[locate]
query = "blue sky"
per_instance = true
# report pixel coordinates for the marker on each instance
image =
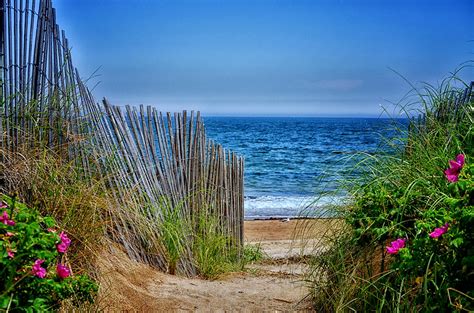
(266, 57)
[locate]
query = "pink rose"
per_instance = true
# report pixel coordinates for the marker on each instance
(438, 232)
(4, 219)
(37, 270)
(10, 253)
(64, 244)
(62, 271)
(455, 166)
(395, 246)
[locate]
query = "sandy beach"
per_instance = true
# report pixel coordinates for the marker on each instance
(274, 284)
(281, 239)
(276, 229)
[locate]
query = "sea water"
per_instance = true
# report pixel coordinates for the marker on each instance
(292, 162)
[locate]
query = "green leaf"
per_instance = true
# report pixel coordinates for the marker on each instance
(457, 242)
(49, 222)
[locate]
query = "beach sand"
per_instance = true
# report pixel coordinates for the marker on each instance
(298, 237)
(274, 284)
(276, 229)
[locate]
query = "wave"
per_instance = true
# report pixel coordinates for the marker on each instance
(264, 207)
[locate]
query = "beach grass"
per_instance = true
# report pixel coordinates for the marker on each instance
(405, 195)
(44, 180)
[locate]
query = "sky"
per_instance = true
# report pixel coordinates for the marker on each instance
(266, 57)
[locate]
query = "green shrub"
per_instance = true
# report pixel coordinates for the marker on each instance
(408, 240)
(438, 254)
(35, 274)
(216, 255)
(174, 230)
(57, 187)
(200, 240)
(252, 254)
(213, 251)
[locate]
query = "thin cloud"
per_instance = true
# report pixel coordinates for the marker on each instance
(336, 84)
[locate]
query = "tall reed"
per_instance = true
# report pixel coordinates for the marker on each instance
(404, 195)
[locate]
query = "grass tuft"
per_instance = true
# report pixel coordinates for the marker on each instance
(404, 194)
(46, 181)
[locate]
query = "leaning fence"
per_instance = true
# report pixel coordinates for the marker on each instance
(454, 105)
(144, 155)
(149, 157)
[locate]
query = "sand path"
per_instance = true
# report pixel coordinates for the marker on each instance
(272, 285)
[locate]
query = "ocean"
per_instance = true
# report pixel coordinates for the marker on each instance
(291, 162)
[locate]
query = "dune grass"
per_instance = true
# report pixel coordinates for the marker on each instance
(45, 180)
(212, 252)
(406, 195)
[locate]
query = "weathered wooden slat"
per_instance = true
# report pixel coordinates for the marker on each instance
(10, 94)
(3, 115)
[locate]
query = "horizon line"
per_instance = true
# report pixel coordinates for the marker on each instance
(383, 116)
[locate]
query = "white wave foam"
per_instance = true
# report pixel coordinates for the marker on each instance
(287, 206)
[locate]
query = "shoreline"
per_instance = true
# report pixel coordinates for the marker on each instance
(279, 218)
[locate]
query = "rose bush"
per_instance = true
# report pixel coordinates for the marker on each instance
(429, 250)
(33, 267)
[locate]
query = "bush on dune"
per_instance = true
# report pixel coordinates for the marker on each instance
(36, 274)
(213, 253)
(408, 241)
(44, 179)
(57, 187)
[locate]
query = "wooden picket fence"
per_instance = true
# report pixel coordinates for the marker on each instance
(458, 104)
(39, 82)
(145, 156)
(148, 156)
